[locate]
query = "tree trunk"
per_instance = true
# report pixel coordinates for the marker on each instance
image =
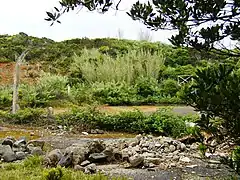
(16, 76)
(15, 88)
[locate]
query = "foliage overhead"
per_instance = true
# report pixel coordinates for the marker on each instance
(202, 24)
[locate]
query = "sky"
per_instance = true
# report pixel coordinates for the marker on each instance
(28, 16)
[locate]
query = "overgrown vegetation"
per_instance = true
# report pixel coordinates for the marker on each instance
(32, 169)
(161, 122)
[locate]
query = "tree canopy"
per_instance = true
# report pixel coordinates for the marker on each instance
(202, 24)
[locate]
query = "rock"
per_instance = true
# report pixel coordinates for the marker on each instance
(92, 168)
(148, 155)
(96, 146)
(79, 153)
(39, 143)
(8, 141)
(155, 161)
(20, 155)
(192, 166)
(78, 168)
(37, 151)
(32, 134)
(194, 146)
(99, 131)
(182, 147)
(85, 163)
(138, 137)
(93, 131)
(85, 133)
(66, 160)
(21, 141)
(134, 143)
(136, 160)
(184, 160)
(97, 157)
(52, 158)
(172, 148)
(8, 154)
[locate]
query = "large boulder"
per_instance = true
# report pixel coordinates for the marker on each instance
(8, 155)
(52, 158)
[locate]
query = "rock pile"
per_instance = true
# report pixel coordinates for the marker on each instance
(12, 149)
(142, 152)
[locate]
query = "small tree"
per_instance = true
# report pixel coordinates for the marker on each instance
(215, 93)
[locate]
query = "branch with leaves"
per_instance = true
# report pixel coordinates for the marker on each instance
(201, 24)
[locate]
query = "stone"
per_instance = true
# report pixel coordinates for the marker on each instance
(21, 141)
(39, 143)
(147, 154)
(8, 154)
(136, 160)
(155, 161)
(53, 157)
(20, 155)
(139, 137)
(184, 159)
(93, 131)
(183, 147)
(85, 163)
(66, 160)
(97, 157)
(99, 131)
(134, 143)
(192, 166)
(8, 141)
(92, 168)
(85, 133)
(37, 151)
(78, 168)
(194, 146)
(172, 148)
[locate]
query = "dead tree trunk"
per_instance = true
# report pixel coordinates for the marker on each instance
(16, 80)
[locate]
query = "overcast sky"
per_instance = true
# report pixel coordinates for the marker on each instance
(28, 16)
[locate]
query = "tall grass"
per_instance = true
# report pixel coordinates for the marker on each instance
(97, 67)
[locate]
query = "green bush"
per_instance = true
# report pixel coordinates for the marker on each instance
(163, 122)
(169, 87)
(5, 97)
(215, 92)
(25, 116)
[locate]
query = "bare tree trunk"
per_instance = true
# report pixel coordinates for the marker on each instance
(16, 76)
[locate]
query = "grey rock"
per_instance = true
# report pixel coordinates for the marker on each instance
(97, 157)
(8, 154)
(92, 168)
(20, 155)
(53, 157)
(155, 161)
(182, 147)
(85, 163)
(93, 131)
(136, 160)
(185, 159)
(172, 148)
(8, 141)
(99, 131)
(78, 168)
(39, 143)
(66, 160)
(37, 151)
(21, 141)
(194, 146)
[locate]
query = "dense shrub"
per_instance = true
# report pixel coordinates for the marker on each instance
(5, 97)
(24, 116)
(215, 92)
(169, 87)
(163, 122)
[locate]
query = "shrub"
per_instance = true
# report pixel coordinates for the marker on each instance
(169, 87)
(25, 116)
(146, 86)
(5, 97)
(215, 93)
